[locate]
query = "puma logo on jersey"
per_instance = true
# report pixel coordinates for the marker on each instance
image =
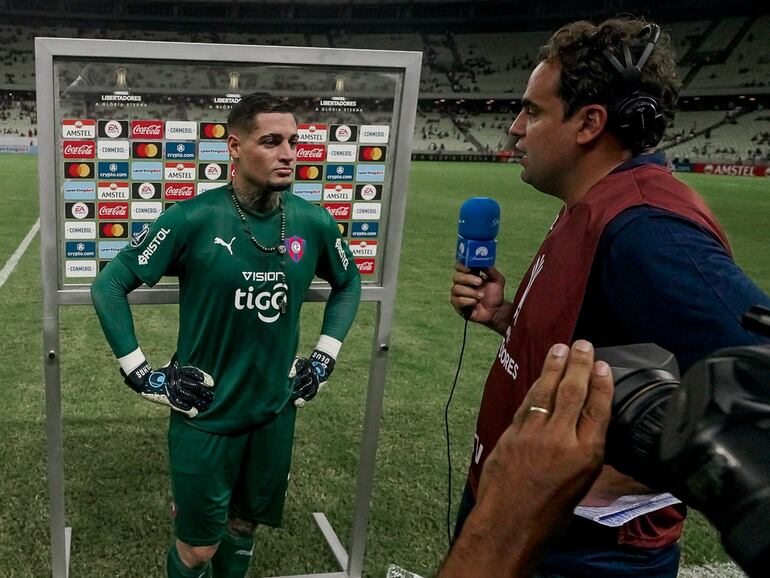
(228, 246)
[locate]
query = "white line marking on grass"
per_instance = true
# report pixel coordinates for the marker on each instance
(723, 570)
(10, 265)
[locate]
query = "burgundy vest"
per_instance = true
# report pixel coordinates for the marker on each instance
(548, 302)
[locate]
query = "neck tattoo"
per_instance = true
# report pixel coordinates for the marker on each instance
(279, 248)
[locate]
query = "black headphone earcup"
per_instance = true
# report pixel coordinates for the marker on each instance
(637, 121)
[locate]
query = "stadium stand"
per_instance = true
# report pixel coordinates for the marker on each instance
(715, 57)
(734, 138)
(746, 66)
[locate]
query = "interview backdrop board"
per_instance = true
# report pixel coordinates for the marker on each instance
(128, 128)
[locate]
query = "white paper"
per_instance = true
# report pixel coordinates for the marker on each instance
(398, 572)
(625, 509)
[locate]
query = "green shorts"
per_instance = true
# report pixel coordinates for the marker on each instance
(215, 477)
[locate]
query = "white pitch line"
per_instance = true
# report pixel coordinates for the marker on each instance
(714, 570)
(10, 265)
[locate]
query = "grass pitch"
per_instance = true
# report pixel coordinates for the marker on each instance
(116, 481)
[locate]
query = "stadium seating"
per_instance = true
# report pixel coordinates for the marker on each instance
(731, 138)
(714, 56)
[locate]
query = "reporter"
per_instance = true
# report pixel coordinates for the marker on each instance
(541, 467)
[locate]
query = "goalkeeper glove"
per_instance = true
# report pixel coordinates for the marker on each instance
(309, 376)
(185, 389)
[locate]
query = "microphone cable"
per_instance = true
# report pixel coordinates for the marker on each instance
(448, 447)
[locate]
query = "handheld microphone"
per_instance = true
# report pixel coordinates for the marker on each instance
(477, 228)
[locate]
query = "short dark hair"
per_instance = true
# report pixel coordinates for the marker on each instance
(241, 117)
(587, 75)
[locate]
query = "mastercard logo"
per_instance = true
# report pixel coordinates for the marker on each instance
(213, 130)
(114, 230)
(309, 172)
(372, 153)
(147, 150)
(79, 170)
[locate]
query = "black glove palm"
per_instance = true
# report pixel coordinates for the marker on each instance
(185, 389)
(309, 376)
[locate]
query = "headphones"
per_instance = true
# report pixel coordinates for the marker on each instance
(636, 119)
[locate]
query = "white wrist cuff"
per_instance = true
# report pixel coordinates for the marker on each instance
(131, 361)
(329, 346)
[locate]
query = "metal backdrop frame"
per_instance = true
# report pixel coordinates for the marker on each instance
(404, 110)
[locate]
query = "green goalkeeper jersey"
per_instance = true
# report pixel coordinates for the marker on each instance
(239, 305)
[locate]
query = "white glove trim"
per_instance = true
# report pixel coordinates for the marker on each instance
(329, 345)
(131, 361)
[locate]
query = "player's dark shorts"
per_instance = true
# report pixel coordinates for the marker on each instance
(215, 476)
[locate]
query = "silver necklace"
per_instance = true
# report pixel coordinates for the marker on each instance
(280, 248)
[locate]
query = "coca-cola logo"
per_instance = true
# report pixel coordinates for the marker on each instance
(79, 149)
(365, 266)
(179, 191)
(113, 210)
(309, 152)
(147, 129)
(339, 211)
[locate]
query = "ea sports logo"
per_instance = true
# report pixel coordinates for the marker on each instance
(708, 169)
(343, 133)
(80, 210)
(213, 171)
(146, 190)
(113, 129)
(368, 192)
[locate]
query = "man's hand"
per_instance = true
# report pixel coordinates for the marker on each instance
(185, 389)
(309, 376)
(483, 294)
(540, 468)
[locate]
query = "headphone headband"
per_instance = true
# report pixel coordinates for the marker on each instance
(636, 119)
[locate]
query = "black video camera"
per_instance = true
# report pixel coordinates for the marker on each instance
(705, 439)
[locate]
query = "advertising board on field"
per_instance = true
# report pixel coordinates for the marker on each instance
(122, 135)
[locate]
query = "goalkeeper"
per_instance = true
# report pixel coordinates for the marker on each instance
(245, 255)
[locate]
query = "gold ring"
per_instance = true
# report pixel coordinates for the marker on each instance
(539, 409)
